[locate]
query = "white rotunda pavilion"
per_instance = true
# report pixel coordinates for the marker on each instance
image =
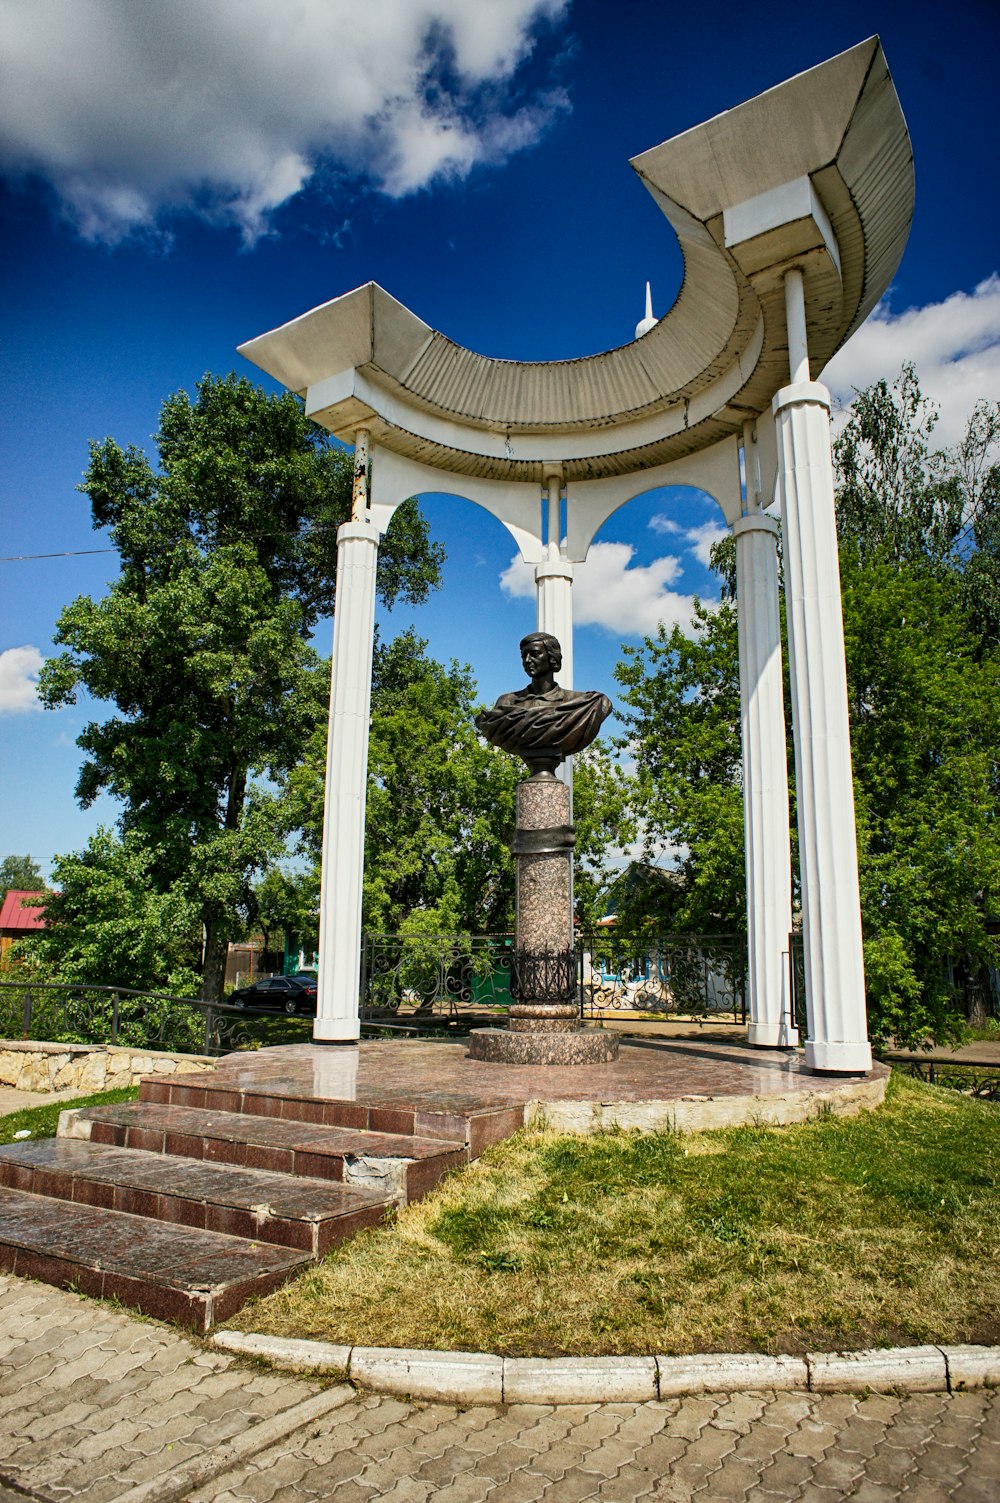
(792, 212)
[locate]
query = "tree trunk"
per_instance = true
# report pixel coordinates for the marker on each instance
(213, 974)
(975, 1003)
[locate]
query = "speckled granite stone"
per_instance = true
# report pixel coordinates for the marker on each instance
(544, 910)
(583, 1046)
(542, 803)
(544, 889)
(544, 1017)
(543, 902)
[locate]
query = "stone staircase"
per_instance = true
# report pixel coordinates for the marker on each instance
(198, 1196)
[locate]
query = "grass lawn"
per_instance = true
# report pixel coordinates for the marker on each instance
(876, 1230)
(42, 1121)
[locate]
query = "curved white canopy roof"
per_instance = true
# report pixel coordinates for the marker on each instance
(816, 173)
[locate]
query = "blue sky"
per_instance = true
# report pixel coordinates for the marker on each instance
(177, 178)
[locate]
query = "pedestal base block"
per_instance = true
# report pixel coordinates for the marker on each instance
(584, 1046)
(526, 1017)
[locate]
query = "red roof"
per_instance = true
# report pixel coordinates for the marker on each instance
(21, 911)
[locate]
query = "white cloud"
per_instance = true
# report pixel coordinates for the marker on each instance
(954, 346)
(228, 107)
(703, 540)
(628, 600)
(19, 669)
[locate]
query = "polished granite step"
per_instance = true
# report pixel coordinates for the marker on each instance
(309, 1215)
(328, 1096)
(216, 1187)
(177, 1273)
(402, 1166)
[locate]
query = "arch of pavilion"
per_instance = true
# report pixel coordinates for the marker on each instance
(792, 212)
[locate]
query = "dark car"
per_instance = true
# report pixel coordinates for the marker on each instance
(288, 993)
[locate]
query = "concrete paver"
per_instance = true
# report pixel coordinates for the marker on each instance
(96, 1407)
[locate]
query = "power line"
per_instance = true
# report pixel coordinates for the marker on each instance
(277, 532)
(20, 558)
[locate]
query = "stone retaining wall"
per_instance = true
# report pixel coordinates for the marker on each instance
(27, 1065)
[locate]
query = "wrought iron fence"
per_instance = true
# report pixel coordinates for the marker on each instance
(410, 983)
(413, 981)
(979, 1078)
(62, 1013)
(697, 975)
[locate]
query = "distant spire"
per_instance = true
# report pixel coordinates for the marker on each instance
(649, 322)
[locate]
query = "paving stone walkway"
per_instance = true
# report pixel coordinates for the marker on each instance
(95, 1405)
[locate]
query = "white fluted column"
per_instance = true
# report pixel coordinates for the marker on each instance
(554, 583)
(337, 1011)
(831, 907)
(554, 601)
(765, 782)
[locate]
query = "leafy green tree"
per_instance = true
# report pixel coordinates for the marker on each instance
(20, 873)
(919, 554)
(111, 922)
(682, 709)
(227, 557)
(976, 466)
(604, 804)
(925, 727)
(903, 502)
(440, 802)
(287, 902)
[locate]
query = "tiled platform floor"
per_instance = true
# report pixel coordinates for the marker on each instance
(688, 1083)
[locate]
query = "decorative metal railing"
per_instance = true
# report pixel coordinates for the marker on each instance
(417, 981)
(59, 1013)
(697, 975)
(409, 983)
(973, 1077)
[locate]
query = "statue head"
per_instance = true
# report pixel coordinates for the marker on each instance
(534, 646)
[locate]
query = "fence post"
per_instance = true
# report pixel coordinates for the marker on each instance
(27, 1013)
(114, 1019)
(743, 974)
(579, 974)
(209, 1020)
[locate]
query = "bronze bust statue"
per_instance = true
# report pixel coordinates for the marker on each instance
(542, 723)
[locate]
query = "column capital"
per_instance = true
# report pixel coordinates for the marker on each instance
(812, 392)
(362, 531)
(755, 521)
(554, 568)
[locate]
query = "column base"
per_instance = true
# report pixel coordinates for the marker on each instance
(839, 1058)
(337, 1031)
(772, 1036)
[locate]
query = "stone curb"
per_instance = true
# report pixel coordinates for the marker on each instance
(483, 1378)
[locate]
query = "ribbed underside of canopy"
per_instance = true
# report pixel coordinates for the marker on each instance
(718, 355)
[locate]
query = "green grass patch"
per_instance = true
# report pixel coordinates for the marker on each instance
(875, 1230)
(42, 1121)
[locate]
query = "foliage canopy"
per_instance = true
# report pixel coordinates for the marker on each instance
(202, 645)
(920, 569)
